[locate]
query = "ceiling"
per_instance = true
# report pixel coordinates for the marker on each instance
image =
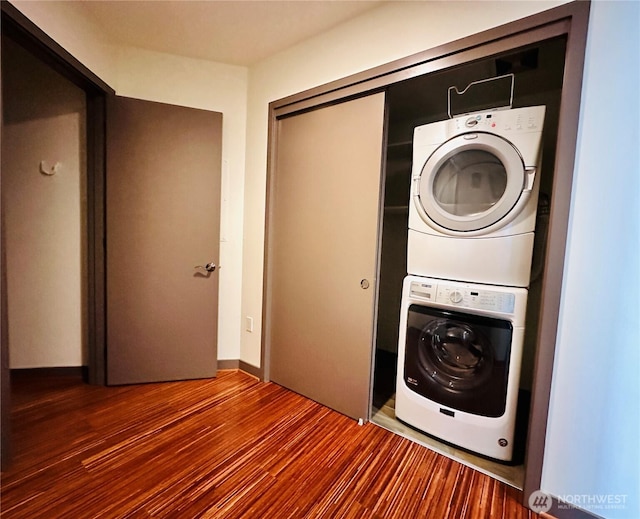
(235, 32)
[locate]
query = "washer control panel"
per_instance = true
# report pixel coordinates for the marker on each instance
(464, 296)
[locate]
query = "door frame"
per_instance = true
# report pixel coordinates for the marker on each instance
(22, 30)
(568, 20)
(28, 35)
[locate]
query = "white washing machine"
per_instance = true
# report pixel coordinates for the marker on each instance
(474, 193)
(459, 357)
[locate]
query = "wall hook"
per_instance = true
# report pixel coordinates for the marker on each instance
(48, 170)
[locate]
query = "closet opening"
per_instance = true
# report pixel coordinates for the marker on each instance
(537, 71)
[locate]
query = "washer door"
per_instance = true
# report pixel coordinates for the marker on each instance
(471, 182)
(458, 360)
(456, 355)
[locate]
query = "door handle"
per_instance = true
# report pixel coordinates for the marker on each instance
(209, 267)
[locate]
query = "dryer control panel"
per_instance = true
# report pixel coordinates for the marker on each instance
(460, 295)
(529, 119)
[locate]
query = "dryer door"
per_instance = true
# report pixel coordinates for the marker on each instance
(471, 182)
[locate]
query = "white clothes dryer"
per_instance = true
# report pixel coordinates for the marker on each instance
(474, 194)
(459, 357)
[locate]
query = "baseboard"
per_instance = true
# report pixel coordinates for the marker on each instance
(229, 364)
(241, 365)
(53, 371)
(252, 370)
(82, 371)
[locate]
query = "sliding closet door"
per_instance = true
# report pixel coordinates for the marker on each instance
(323, 229)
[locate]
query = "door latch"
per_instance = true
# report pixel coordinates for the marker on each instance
(209, 267)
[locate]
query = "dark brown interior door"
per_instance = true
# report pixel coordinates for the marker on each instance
(5, 374)
(162, 222)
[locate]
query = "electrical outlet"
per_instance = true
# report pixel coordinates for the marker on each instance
(249, 323)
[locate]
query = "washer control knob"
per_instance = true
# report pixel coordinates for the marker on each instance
(455, 296)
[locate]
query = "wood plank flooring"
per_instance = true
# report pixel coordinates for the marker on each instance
(231, 447)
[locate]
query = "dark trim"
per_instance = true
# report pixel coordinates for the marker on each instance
(96, 305)
(57, 371)
(553, 22)
(465, 54)
(240, 365)
(272, 144)
(251, 370)
(569, 19)
(228, 364)
(5, 375)
(31, 37)
(556, 244)
(24, 32)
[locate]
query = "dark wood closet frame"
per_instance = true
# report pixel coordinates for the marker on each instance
(24, 32)
(569, 21)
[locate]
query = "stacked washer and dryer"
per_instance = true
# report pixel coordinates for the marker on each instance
(472, 215)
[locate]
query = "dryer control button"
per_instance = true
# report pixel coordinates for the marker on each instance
(472, 121)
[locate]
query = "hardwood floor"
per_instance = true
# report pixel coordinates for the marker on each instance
(230, 447)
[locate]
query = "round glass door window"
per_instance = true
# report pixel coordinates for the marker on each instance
(456, 356)
(471, 182)
(458, 360)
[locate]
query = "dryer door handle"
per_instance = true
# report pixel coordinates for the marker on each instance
(530, 176)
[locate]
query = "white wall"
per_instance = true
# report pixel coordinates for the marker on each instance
(392, 31)
(183, 81)
(43, 120)
(593, 437)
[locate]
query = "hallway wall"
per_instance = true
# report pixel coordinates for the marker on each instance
(183, 81)
(43, 120)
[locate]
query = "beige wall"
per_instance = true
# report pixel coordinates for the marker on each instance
(43, 120)
(392, 31)
(182, 81)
